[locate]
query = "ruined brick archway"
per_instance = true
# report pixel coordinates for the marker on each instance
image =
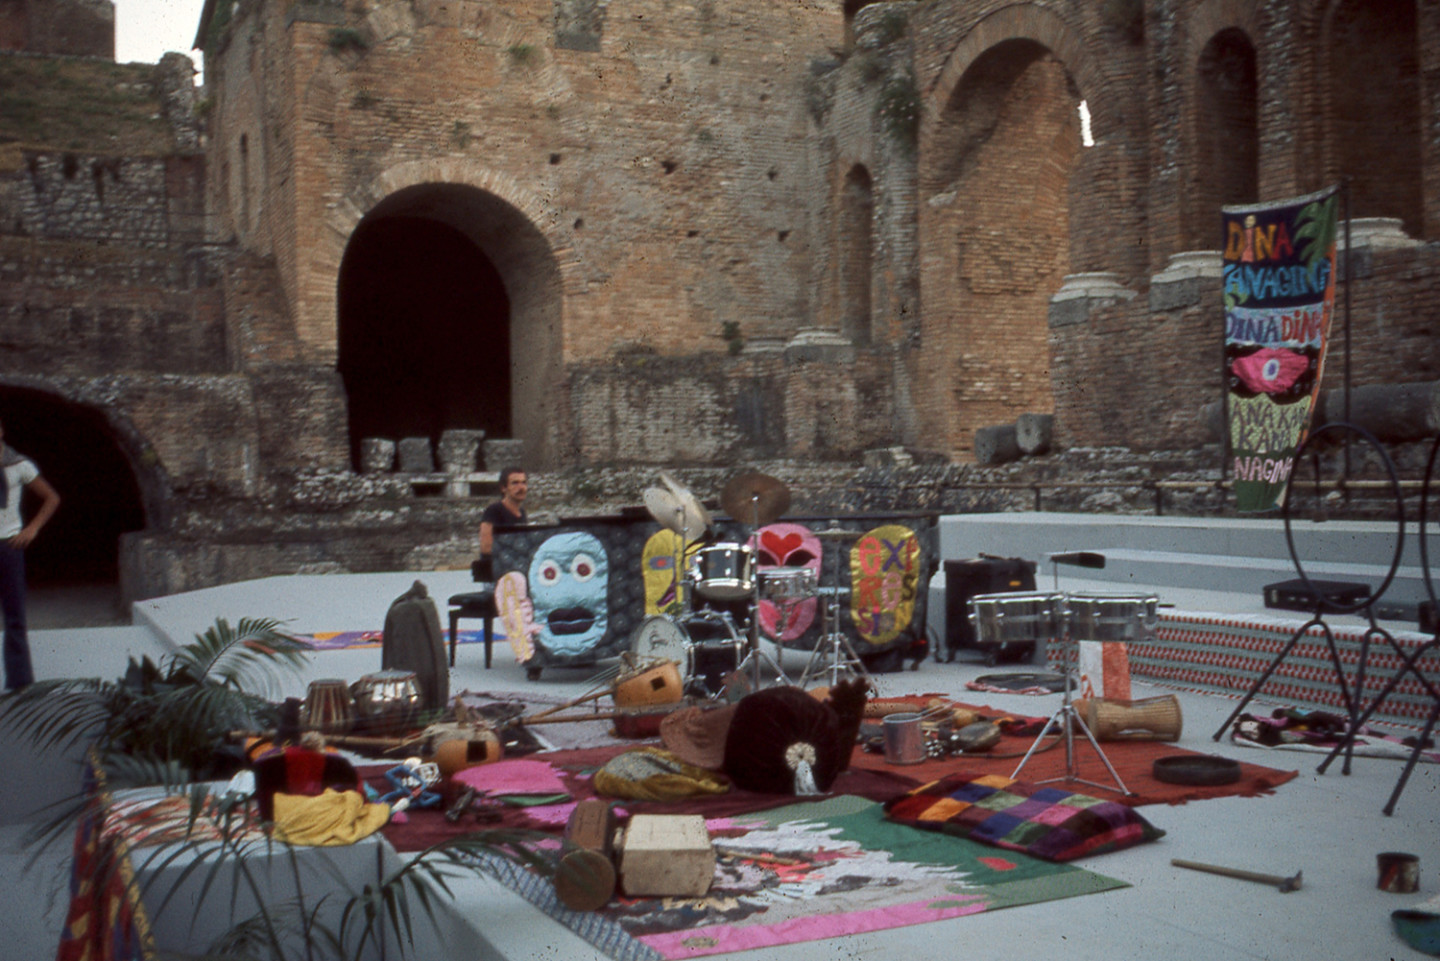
(515, 239)
(999, 145)
(91, 463)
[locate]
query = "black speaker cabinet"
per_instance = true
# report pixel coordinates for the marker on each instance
(982, 575)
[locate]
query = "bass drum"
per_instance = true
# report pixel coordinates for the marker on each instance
(660, 638)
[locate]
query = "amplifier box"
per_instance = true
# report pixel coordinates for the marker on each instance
(1428, 617)
(1296, 596)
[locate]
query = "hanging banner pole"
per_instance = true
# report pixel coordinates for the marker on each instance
(1279, 296)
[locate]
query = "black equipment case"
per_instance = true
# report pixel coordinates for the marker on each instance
(983, 575)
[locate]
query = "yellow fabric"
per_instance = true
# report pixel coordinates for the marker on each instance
(327, 820)
(652, 774)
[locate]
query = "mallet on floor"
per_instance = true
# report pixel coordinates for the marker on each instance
(1286, 885)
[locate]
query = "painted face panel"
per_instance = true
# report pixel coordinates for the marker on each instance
(569, 577)
(658, 566)
(885, 579)
(788, 545)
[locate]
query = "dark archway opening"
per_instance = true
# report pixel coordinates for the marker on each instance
(78, 453)
(1227, 137)
(424, 333)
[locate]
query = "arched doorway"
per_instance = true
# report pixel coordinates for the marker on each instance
(1227, 140)
(995, 185)
(424, 333)
(78, 452)
(450, 302)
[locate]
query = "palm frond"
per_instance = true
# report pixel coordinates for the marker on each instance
(249, 655)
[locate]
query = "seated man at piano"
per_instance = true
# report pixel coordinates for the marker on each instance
(508, 511)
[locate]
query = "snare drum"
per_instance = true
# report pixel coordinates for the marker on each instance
(1113, 617)
(1015, 616)
(785, 585)
(722, 571)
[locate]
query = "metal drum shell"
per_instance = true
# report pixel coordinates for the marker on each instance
(787, 584)
(1015, 616)
(1112, 618)
(723, 571)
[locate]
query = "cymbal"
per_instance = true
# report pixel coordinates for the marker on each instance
(689, 501)
(673, 514)
(754, 498)
(838, 534)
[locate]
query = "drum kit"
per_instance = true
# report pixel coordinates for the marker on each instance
(715, 634)
(1042, 616)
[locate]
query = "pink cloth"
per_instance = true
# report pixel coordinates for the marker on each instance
(518, 776)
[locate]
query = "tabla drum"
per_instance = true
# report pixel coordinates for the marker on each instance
(1115, 618)
(1014, 616)
(328, 707)
(785, 585)
(723, 571)
(387, 702)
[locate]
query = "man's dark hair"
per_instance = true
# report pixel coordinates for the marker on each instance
(505, 475)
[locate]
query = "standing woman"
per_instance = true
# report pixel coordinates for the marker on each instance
(18, 473)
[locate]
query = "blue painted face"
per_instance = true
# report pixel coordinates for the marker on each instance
(569, 577)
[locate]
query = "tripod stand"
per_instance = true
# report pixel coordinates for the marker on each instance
(833, 653)
(1067, 719)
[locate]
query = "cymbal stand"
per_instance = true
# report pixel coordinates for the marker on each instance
(1067, 718)
(833, 651)
(755, 656)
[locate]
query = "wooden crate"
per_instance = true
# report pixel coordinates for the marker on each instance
(667, 855)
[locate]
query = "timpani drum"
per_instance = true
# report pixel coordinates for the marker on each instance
(1015, 616)
(723, 572)
(1113, 618)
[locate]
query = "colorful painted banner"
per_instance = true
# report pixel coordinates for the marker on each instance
(1279, 289)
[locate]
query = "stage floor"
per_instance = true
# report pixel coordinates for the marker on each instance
(1330, 826)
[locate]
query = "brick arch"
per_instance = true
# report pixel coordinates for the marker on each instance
(346, 216)
(1001, 178)
(1023, 21)
(522, 236)
(109, 477)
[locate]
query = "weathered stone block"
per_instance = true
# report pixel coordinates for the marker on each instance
(459, 450)
(377, 455)
(503, 453)
(415, 456)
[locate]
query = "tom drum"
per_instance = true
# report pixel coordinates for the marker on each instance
(1014, 616)
(723, 571)
(1114, 618)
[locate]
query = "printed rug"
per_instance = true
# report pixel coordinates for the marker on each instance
(345, 640)
(805, 872)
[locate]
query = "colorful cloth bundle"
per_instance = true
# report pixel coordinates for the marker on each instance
(1040, 820)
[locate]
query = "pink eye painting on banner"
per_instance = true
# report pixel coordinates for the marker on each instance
(788, 545)
(1279, 296)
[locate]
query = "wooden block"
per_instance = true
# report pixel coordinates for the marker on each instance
(666, 855)
(585, 876)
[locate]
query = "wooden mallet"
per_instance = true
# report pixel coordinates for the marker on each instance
(1285, 885)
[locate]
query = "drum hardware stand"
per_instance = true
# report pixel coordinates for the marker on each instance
(1067, 718)
(840, 655)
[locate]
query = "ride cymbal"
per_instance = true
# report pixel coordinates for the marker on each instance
(755, 498)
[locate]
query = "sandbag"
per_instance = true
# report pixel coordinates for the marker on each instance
(414, 641)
